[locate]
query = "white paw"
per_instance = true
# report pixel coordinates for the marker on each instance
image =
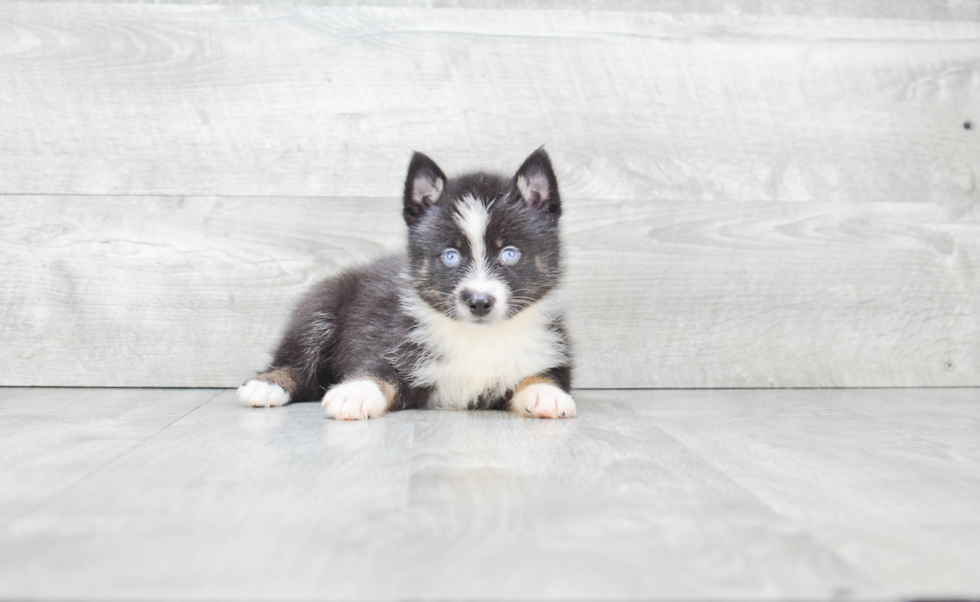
(355, 400)
(260, 394)
(544, 401)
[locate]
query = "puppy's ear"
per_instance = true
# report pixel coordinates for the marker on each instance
(537, 183)
(423, 186)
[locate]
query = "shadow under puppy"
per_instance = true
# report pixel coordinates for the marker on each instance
(469, 319)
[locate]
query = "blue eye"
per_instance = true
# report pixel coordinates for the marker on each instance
(510, 255)
(450, 257)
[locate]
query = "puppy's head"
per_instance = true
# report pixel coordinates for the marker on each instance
(482, 247)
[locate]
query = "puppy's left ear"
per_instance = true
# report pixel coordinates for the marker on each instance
(537, 183)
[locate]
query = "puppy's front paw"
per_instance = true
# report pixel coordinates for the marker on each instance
(542, 400)
(260, 394)
(355, 400)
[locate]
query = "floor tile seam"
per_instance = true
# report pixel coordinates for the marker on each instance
(891, 420)
(811, 535)
(814, 529)
(55, 496)
(887, 420)
(894, 422)
(718, 470)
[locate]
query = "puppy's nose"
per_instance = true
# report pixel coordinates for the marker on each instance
(480, 304)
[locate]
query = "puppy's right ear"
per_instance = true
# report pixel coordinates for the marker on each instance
(423, 186)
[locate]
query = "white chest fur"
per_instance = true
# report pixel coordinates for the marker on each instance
(466, 360)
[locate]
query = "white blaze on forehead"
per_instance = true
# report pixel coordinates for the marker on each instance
(472, 217)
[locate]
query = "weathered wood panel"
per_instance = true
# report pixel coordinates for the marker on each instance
(880, 9)
(193, 291)
(695, 129)
(313, 100)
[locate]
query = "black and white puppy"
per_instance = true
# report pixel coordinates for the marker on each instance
(471, 318)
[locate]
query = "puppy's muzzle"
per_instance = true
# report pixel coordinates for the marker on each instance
(480, 304)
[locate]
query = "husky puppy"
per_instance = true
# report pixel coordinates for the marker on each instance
(470, 318)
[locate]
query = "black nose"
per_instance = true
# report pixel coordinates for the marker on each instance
(480, 304)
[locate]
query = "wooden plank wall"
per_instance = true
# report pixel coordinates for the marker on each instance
(758, 193)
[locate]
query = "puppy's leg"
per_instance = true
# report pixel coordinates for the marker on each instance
(269, 389)
(356, 399)
(541, 397)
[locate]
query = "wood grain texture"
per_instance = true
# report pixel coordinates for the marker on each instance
(831, 472)
(647, 495)
(328, 101)
(879, 9)
(53, 439)
(194, 291)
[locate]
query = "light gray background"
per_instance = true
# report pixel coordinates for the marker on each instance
(758, 193)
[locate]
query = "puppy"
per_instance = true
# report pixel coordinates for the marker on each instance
(469, 318)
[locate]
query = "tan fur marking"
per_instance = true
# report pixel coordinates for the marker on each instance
(283, 377)
(389, 390)
(534, 380)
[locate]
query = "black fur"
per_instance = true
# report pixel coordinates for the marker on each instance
(354, 325)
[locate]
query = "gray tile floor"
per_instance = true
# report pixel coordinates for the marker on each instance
(682, 495)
